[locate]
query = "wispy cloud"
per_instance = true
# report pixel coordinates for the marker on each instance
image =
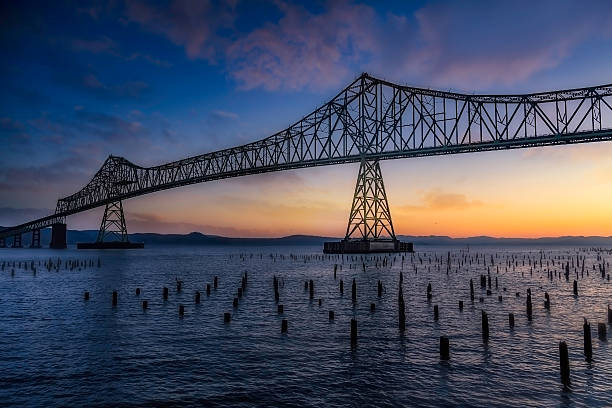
(191, 24)
(105, 45)
(304, 49)
(440, 200)
(459, 44)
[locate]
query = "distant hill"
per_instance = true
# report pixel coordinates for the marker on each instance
(581, 241)
(197, 238)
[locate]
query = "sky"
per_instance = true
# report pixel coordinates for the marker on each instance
(160, 81)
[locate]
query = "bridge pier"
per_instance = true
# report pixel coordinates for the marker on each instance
(35, 239)
(370, 228)
(113, 231)
(17, 241)
(58, 236)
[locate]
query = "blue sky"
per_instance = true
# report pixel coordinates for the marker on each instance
(159, 81)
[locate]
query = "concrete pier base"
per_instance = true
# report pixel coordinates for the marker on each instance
(110, 245)
(366, 246)
(58, 236)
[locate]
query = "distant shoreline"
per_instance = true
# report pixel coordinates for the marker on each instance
(197, 238)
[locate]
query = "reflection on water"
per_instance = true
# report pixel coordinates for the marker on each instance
(57, 349)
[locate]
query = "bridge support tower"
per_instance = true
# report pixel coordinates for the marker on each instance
(113, 231)
(58, 236)
(17, 241)
(370, 228)
(35, 239)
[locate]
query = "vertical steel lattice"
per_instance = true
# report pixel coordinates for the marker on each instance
(35, 239)
(113, 226)
(370, 216)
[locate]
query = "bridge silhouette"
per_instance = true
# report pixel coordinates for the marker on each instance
(368, 121)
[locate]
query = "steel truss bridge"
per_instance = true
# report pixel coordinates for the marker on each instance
(368, 121)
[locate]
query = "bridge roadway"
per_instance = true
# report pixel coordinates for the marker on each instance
(371, 119)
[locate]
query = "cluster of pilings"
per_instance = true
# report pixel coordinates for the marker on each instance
(50, 265)
(542, 269)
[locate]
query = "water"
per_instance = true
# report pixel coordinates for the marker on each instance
(58, 350)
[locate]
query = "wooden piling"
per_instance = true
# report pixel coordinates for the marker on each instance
(208, 289)
(216, 282)
(197, 297)
(601, 331)
(609, 315)
(311, 288)
(137, 291)
(461, 305)
(280, 309)
(165, 293)
(227, 316)
(485, 326)
(235, 303)
(284, 326)
(341, 287)
(402, 312)
(331, 315)
(472, 290)
(181, 310)
(145, 305)
(444, 348)
(240, 292)
(529, 307)
(372, 307)
(436, 314)
(380, 288)
(354, 291)
(353, 332)
(588, 345)
(86, 296)
(575, 288)
(511, 320)
(564, 363)
(114, 298)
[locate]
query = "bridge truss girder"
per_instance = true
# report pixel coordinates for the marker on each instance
(370, 119)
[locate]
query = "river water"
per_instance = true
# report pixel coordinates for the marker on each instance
(57, 349)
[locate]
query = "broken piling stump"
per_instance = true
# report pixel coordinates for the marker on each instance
(444, 348)
(485, 326)
(588, 345)
(564, 363)
(601, 331)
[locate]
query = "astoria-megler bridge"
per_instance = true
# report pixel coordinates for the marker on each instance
(368, 121)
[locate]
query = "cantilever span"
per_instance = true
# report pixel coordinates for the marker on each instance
(369, 120)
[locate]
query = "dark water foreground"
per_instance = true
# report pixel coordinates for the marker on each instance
(58, 350)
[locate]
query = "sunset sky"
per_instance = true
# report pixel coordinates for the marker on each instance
(156, 82)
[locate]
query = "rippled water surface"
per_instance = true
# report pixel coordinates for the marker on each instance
(56, 349)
